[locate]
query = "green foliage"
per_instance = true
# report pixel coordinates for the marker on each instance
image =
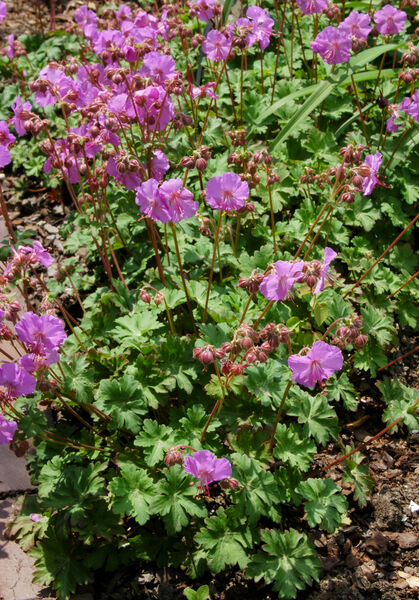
(293, 447)
(289, 561)
(359, 476)
(132, 493)
(324, 503)
(402, 403)
(174, 500)
(227, 540)
(123, 400)
(202, 593)
(317, 416)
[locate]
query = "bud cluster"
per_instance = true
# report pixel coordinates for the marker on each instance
(332, 12)
(251, 283)
(251, 345)
(350, 333)
(199, 159)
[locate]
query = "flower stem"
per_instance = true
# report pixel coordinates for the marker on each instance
(217, 234)
(278, 416)
(399, 358)
(311, 230)
(402, 286)
(393, 243)
(183, 276)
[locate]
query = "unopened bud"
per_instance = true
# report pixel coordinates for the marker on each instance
(158, 298)
(145, 296)
(229, 484)
(173, 457)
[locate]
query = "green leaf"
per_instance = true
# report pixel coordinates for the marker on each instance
(173, 501)
(401, 401)
(267, 382)
(258, 494)
(123, 400)
(342, 389)
(318, 417)
(227, 540)
(156, 439)
(289, 561)
(228, 4)
(72, 487)
(293, 447)
(358, 475)
(378, 324)
(78, 378)
(320, 312)
(59, 562)
(202, 593)
(324, 503)
(322, 90)
(132, 330)
(132, 493)
(370, 358)
(251, 442)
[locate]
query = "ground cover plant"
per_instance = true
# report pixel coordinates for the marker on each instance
(243, 184)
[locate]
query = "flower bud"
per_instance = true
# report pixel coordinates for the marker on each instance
(201, 164)
(229, 484)
(158, 298)
(360, 341)
(173, 457)
(145, 296)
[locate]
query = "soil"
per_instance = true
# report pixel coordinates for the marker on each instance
(376, 555)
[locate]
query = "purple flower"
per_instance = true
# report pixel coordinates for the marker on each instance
(42, 333)
(7, 428)
(16, 380)
(6, 138)
(329, 255)
(42, 255)
(277, 284)
(205, 90)
(216, 46)
(373, 161)
(411, 106)
(332, 45)
(389, 20)
(203, 8)
(262, 25)
(227, 192)
(207, 468)
(151, 202)
(180, 200)
(309, 7)
(21, 114)
(159, 165)
(3, 11)
(160, 67)
(154, 107)
(130, 179)
(5, 157)
(319, 363)
(35, 517)
(356, 25)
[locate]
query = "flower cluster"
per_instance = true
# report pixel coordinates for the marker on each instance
(26, 258)
(168, 202)
(279, 282)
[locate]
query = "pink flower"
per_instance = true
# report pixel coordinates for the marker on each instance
(180, 200)
(203, 8)
(319, 363)
(159, 165)
(411, 106)
(42, 255)
(207, 468)
(227, 192)
(3, 11)
(309, 7)
(6, 138)
(277, 284)
(216, 46)
(356, 25)
(332, 45)
(42, 333)
(35, 517)
(151, 203)
(373, 161)
(16, 380)
(329, 255)
(7, 429)
(205, 90)
(21, 114)
(389, 20)
(154, 107)
(160, 67)
(262, 25)
(5, 157)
